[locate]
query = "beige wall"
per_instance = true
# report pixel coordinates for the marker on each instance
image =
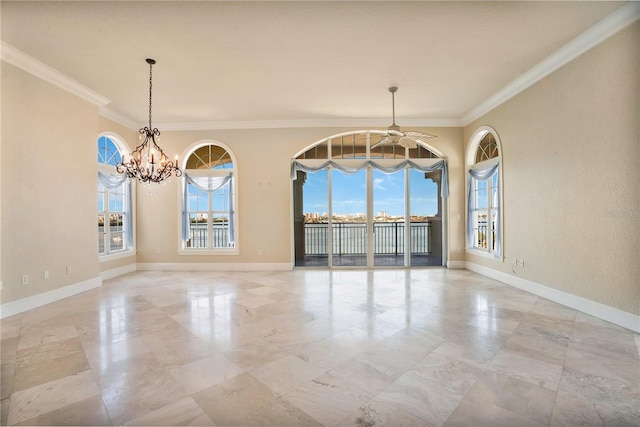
(264, 188)
(48, 186)
(571, 158)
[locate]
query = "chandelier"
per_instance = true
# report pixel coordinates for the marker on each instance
(148, 163)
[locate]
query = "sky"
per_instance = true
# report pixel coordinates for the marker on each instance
(349, 193)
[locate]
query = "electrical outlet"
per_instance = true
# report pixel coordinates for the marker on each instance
(68, 270)
(259, 251)
(25, 279)
(45, 275)
(521, 262)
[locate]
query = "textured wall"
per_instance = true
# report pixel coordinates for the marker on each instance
(571, 156)
(48, 186)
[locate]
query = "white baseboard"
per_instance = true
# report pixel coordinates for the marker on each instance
(28, 303)
(197, 266)
(596, 309)
(456, 264)
(119, 271)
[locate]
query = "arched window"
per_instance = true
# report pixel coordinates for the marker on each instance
(208, 213)
(484, 217)
(115, 222)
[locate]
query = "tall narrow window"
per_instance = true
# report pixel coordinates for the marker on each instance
(483, 197)
(208, 216)
(115, 228)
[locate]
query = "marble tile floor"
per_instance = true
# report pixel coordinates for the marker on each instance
(421, 347)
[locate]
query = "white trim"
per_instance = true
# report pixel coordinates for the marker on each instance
(131, 252)
(225, 251)
(209, 266)
(599, 310)
(483, 253)
(595, 35)
(28, 303)
(118, 271)
(32, 66)
(458, 265)
(109, 113)
(308, 123)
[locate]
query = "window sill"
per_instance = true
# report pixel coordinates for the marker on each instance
(483, 254)
(117, 255)
(197, 252)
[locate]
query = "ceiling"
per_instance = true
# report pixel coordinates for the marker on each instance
(231, 63)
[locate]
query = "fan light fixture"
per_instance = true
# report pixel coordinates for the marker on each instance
(395, 136)
(149, 163)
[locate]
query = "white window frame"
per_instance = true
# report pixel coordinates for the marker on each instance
(472, 148)
(128, 250)
(232, 250)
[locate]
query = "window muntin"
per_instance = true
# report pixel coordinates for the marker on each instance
(208, 222)
(210, 157)
(484, 214)
(113, 202)
(108, 152)
(354, 146)
(487, 148)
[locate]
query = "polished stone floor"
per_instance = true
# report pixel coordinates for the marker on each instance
(379, 260)
(421, 347)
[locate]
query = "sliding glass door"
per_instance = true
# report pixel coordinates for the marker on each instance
(389, 224)
(349, 219)
(361, 201)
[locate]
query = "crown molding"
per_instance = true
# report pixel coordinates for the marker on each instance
(311, 123)
(31, 65)
(109, 113)
(618, 20)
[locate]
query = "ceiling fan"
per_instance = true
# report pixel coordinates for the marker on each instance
(395, 136)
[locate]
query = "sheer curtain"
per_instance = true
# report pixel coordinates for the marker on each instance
(208, 184)
(112, 182)
(386, 166)
(484, 174)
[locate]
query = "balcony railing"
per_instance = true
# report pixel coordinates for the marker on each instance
(199, 235)
(350, 238)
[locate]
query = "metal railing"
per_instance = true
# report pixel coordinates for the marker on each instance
(350, 238)
(199, 235)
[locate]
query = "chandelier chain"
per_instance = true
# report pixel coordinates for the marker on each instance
(150, 86)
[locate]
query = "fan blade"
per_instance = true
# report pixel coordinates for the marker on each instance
(407, 142)
(419, 135)
(379, 143)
